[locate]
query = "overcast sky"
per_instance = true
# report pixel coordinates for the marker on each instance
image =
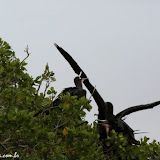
(116, 43)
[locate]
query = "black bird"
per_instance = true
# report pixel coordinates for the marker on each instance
(116, 122)
(106, 119)
(74, 91)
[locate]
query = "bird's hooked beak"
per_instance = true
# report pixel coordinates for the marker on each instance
(83, 79)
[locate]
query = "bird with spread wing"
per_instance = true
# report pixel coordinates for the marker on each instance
(106, 119)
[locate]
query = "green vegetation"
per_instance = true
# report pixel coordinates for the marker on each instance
(60, 135)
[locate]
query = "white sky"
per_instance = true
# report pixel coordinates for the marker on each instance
(116, 43)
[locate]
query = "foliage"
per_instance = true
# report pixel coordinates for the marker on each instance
(117, 146)
(63, 134)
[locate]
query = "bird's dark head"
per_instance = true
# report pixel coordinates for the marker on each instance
(109, 106)
(78, 81)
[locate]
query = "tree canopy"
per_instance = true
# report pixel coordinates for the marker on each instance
(63, 134)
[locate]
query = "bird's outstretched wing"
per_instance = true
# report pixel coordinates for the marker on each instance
(71, 61)
(135, 109)
(97, 97)
(102, 107)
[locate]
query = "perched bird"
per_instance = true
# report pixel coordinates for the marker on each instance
(115, 121)
(106, 119)
(74, 91)
(78, 90)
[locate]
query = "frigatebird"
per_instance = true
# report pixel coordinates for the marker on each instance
(74, 91)
(106, 119)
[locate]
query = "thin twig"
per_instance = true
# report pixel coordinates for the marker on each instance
(81, 124)
(3, 146)
(92, 93)
(26, 50)
(80, 74)
(57, 126)
(47, 85)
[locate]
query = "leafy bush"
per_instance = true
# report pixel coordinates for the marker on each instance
(63, 134)
(117, 147)
(57, 136)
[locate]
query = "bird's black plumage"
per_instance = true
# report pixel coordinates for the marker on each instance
(97, 97)
(105, 109)
(73, 91)
(135, 109)
(106, 118)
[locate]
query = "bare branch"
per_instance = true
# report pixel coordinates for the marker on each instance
(26, 50)
(92, 93)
